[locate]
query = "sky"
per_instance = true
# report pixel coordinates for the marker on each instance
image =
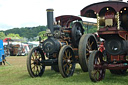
(31, 13)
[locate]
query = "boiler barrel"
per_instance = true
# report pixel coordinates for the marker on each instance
(50, 19)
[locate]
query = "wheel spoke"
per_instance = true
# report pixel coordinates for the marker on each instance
(91, 44)
(88, 46)
(71, 61)
(40, 58)
(64, 58)
(32, 56)
(66, 54)
(70, 56)
(89, 41)
(33, 67)
(70, 66)
(96, 74)
(65, 65)
(98, 61)
(87, 49)
(35, 54)
(37, 71)
(32, 63)
(87, 54)
(32, 59)
(67, 71)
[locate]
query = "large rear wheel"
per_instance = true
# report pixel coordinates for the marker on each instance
(34, 66)
(66, 61)
(86, 45)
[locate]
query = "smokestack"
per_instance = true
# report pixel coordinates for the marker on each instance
(50, 19)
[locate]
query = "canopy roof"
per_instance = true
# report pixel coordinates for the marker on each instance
(91, 10)
(67, 19)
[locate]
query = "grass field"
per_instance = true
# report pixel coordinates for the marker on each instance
(16, 74)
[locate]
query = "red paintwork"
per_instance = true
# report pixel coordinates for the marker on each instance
(109, 15)
(111, 66)
(118, 57)
(101, 47)
(65, 20)
(96, 7)
(123, 34)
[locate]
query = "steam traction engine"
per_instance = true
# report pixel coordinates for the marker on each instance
(60, 49)
(112, 26)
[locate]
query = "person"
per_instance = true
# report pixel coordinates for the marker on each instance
(3, 59)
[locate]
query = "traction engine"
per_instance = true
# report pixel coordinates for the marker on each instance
(62, 49)
(112, 26)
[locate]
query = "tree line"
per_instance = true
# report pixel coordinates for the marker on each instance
(24, 32)
(31, 33)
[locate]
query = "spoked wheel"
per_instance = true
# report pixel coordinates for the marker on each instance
(96, 73)
(66, 61)
(86, 45)
(119, 71)
(34, 66)
(77, 32)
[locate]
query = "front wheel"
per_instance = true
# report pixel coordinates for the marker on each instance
(34, 66)
(66, 61)
(96, 72)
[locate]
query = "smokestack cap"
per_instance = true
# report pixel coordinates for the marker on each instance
(49, 10)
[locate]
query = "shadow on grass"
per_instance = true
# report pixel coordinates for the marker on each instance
(78, 75)
(113, 78)
(82, 77)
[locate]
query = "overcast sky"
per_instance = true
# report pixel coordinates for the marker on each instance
(29, 13)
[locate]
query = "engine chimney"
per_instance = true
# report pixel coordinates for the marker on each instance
(50, 19)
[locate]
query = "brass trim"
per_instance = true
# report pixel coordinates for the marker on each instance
(49, 10)
(98, 21)
(118, 21)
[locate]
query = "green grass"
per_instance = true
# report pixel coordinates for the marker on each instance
(17, 74)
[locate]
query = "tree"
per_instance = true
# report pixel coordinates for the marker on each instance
(13, 36)
(28, 32)
(2, 35)
(92, 30)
